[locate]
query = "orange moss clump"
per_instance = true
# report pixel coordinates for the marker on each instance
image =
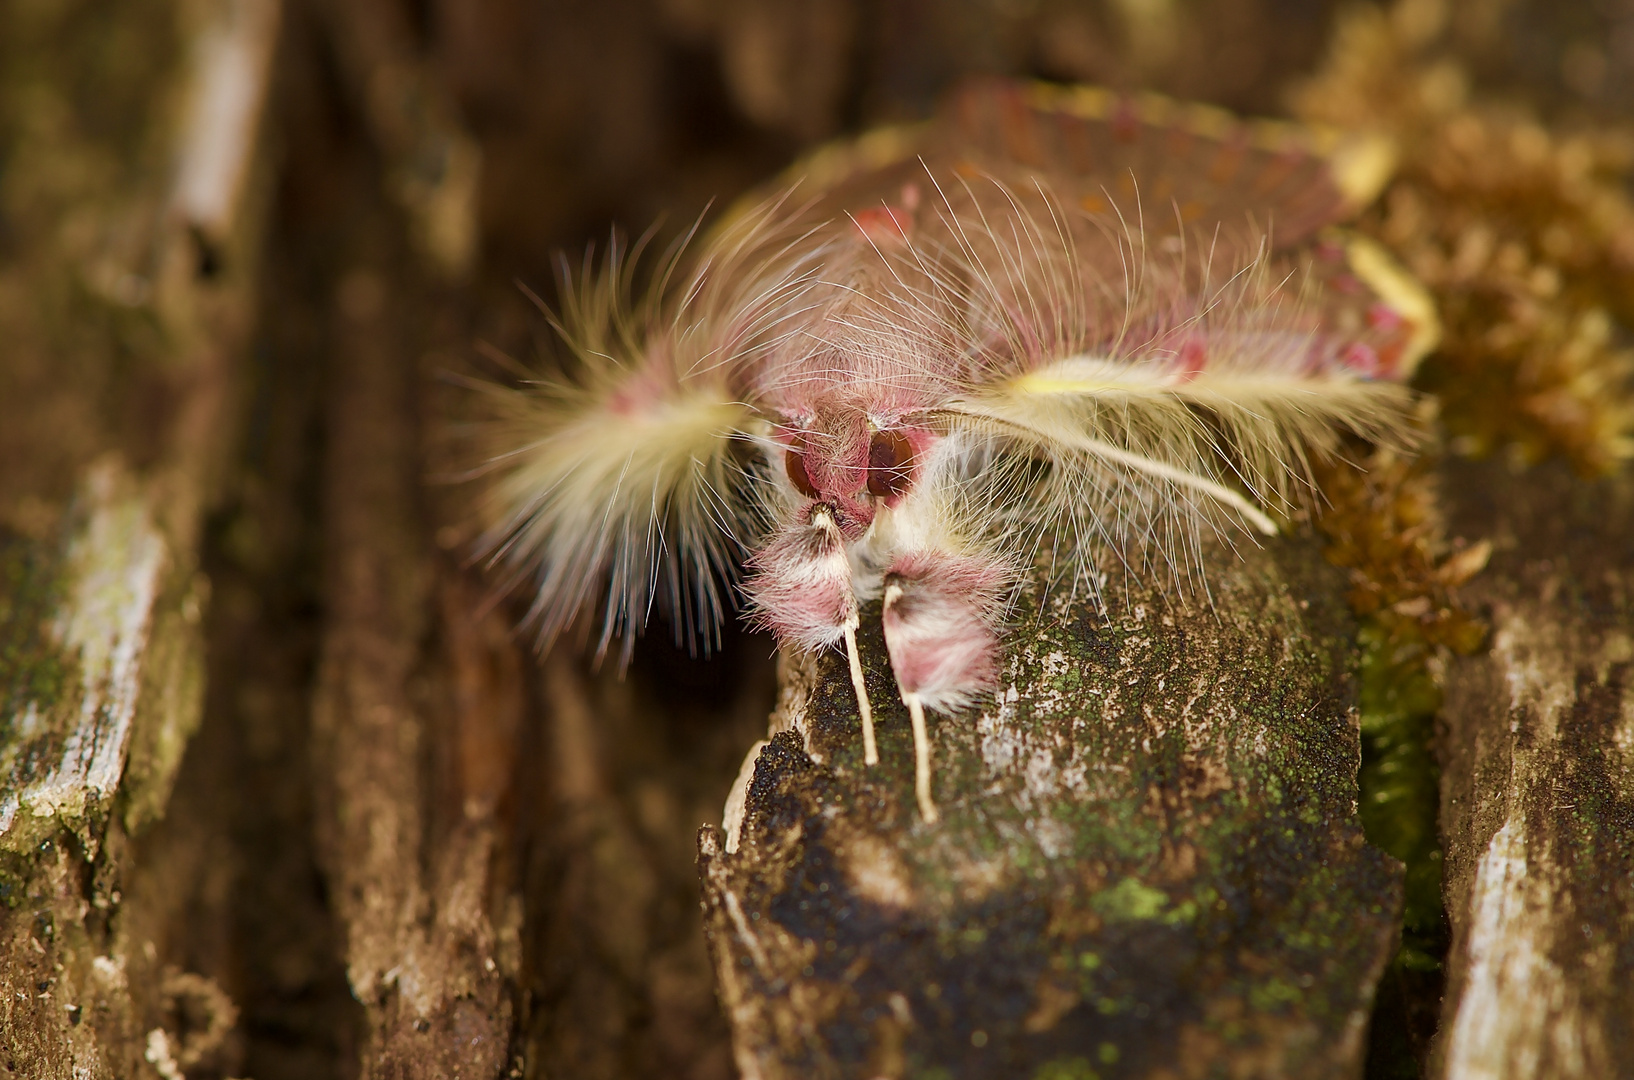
(1383, 526)
(1524, 236)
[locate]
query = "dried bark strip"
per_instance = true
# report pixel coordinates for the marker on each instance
(124, 301)
(434, 166)
(413, 886)
(66, 758)
(1538, 783)
(1149, 862)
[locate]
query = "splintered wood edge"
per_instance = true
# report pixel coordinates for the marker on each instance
(796, 683)
(114, 564)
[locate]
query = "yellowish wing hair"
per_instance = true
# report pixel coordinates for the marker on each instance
(1101, 463)
(1113, 448)
(617, 488)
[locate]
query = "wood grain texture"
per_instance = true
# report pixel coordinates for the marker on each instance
(408, 860)
(1149, 863)
(126, 290)
(1538, 782)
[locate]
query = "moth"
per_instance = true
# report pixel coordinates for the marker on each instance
(1051, 326)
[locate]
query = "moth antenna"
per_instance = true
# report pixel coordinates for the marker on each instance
(1140, 463)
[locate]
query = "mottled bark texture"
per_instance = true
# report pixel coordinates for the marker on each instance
(427, 944)
(1149, 862)
(129, 221)
(1537, 804)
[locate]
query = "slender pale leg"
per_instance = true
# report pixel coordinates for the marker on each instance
(870, 753)
(921, 759)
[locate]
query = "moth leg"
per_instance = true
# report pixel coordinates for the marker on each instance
(802, 590)
(921, 760)
(940, 614)
(870, 752)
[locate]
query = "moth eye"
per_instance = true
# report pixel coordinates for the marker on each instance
(794, 463)
(890, 461)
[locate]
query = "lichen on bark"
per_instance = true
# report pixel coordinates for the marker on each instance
(1149, 861)
(1537, 792)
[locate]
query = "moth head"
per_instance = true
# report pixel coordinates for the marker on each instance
(854, 464)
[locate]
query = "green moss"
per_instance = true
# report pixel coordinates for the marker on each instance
(1073, 1068)
(170, 706)
(16, 868)
(1182, 913)
(1399, 782)
(1184, 820)
(1272, 994)
(30, 591)
(1129, 899)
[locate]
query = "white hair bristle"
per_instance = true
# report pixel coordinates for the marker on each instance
(615, 485)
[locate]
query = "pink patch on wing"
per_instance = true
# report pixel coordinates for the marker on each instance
(1362, 359)
(1192, 359)
(641, 394)
(884, 224)
(1386, 318)
(1347, 284)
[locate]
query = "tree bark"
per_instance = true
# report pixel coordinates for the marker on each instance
(1148, 864)
(409, 861)
(1538, 782)
(125, 299)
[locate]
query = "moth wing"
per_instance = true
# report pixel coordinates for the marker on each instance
(1084, 242)
(621, 487)
(1208, 412)
(1125, 174)
(1187, 165)
(1190, 165)
(1246, 188)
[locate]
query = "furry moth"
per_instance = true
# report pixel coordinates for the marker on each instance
(1050, 324)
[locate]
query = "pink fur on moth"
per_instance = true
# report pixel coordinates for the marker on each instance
(1052, 319)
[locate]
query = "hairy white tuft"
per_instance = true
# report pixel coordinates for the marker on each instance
(621, 486)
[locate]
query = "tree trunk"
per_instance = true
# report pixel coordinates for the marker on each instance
(135, 179)
(1537, 803)
(1148, 864)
